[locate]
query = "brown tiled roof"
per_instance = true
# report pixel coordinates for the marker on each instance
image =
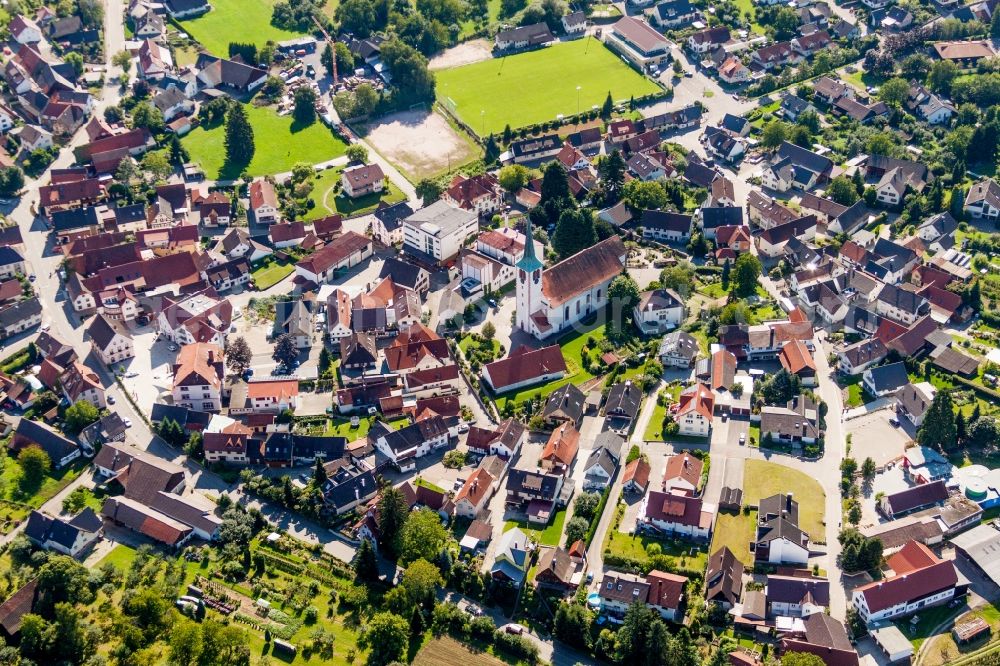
(17, 605)
(262, 193)
(918, 572)
(363, 175)
(638, 471)
(796, 358)
(524, 364)
(339, 249)
(475, 487)
(583, 270)
(699, 399)
(563, 445)
(665, 589)
(287, 231)
(683, 467)
(199, 364)
(675, 508)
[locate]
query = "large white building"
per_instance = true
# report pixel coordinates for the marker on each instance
(550, 300)
(438, 231)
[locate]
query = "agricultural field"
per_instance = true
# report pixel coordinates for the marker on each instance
(279, 142)
(534, 87)
(243, 21)
(445, 651)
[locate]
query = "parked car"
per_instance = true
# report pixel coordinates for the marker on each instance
(111, 399)
(893, 421)
(514, 628)
(127, 421)
(743, 438)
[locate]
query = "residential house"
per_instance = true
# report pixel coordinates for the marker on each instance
(694, 411)
(665, 226)
(80, 383)
(564, 405)
(402, 447)
(779, 539)
(677, 514)
(724, 578)
(672, 13)
(796, 358)
(796, 596)
(481, 194)
(60, 450)
(795, 424)
(678, 349)
(912, 401)
(264, 202)
(522, 37)
(919, 580)
(387, 225)
(362, 180)
(635, 478)
(475, 494)
(885, 380)
(658, 311)
(69, 537)
(110, 340)
(561, 450)
(344, 252)
(983, 200)
(198, 375)
(683, 474)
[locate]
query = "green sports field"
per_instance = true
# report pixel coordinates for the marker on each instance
(279, 144)
(246, 21)
(537, 86)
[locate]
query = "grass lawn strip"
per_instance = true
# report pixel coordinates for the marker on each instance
(547, 537)
(266, 277)
(537, 86)
(735, 531)
(241, 21)
(279, 145)
(763, 479)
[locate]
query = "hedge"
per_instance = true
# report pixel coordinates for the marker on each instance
(596, 520)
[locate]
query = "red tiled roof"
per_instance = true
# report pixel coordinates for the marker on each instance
(638, 471)
(699, 399)
(583, 270)
(525, 364)
(563, 445)
(918, 572)
(795, 358)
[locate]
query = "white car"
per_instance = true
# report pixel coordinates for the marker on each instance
(172, 347)
(127, 421)
(130, 375)
(743, 438)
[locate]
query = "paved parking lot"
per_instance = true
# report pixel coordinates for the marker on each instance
(153, 362)
(889, 481)
(873, 435)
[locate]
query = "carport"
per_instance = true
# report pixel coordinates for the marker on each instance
(894, 645)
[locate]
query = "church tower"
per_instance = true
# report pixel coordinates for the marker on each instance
(529, 283)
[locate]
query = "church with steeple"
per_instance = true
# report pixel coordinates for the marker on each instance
(550, 300)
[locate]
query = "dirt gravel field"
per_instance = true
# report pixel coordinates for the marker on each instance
(463, 54)
(420, 143)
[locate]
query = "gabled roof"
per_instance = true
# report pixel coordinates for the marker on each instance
(724, 577)
(562, 446)
(918, 572)
(676, 508)
(637, 472)
(889, 377)
(583, 270)
(524, 364)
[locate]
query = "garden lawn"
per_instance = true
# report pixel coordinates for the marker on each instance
(634, 547)
(243, 21)
(537, 86)
(266, 276)
(121, 557)
(654, 430)
(279, 145)
(50, 486)
(735, 531)
(762, 479)
(547, 537)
